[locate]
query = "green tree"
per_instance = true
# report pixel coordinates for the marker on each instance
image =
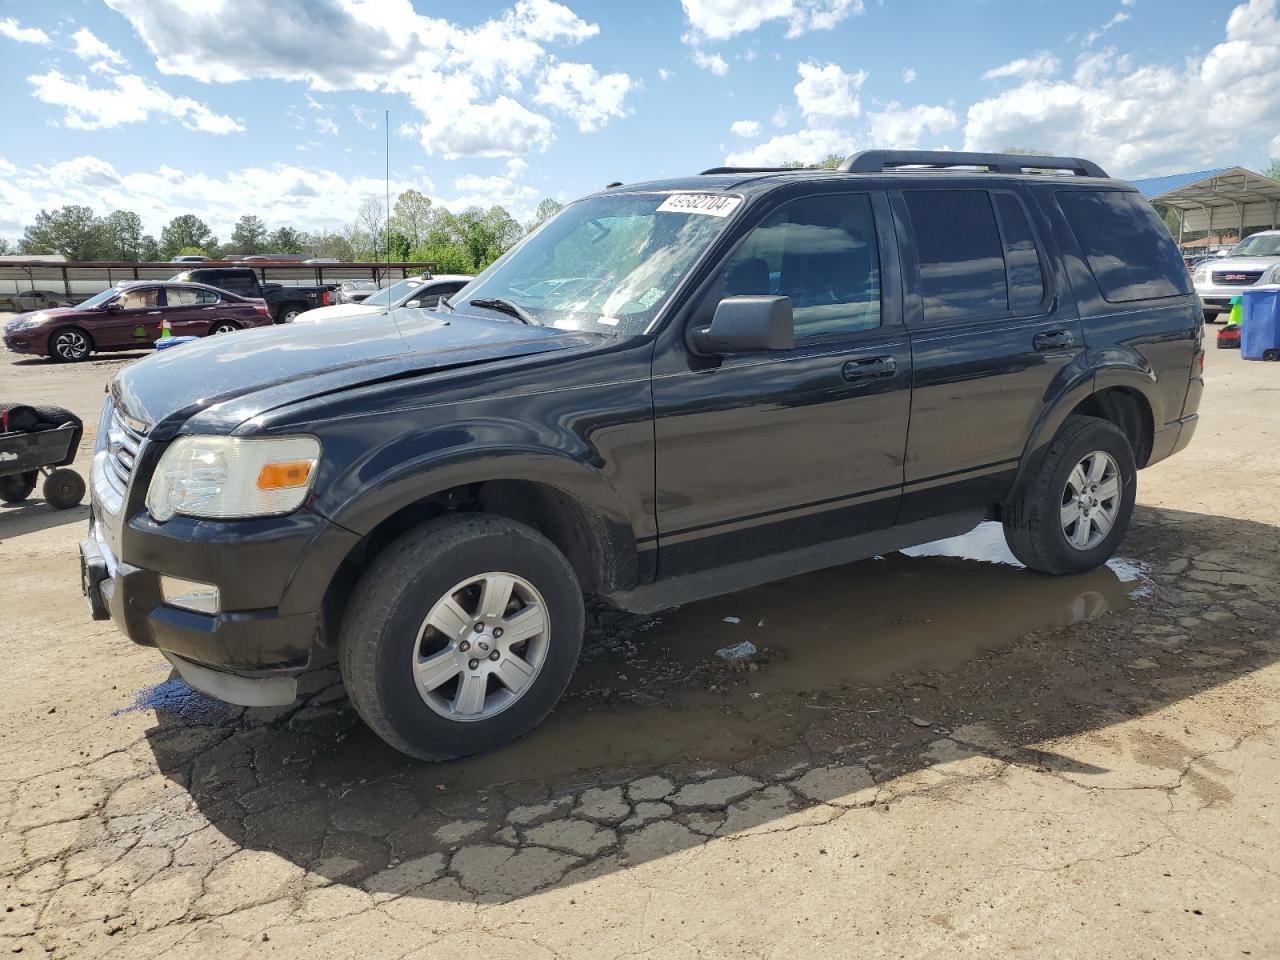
(249, 235)
(830, 162)
(288, 240)
(73, 231)
(184, 231)
(331, 245)
(1273, 170)
(122, 235)
(148, 249)
(7, 247)
(398, 246)
(547, 209)
(411, 216)
(370, 226)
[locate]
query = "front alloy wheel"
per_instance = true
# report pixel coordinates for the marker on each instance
(1091, 500)
(69, 345)
(481, 646)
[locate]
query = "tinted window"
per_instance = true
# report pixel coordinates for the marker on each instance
(822, 253)
(958, 247)
(1128, 248)
(1026, 278)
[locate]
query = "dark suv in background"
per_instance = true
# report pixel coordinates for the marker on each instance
(671, 390)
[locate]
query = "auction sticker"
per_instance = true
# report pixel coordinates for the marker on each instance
(708, 204)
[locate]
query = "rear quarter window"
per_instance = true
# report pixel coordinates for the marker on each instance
(1128, 248)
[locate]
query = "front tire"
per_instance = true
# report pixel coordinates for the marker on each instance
(1070, 516)
(70, 345)
(461, 636)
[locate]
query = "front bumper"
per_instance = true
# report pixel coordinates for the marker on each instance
(1216, 298)
(20, 343)
(271, 575)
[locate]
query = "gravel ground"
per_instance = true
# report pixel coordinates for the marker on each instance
(935, 754)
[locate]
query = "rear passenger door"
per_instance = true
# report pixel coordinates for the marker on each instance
(187, 315)
(995, 337)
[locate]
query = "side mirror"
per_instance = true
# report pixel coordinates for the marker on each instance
(746, 325)
(414, 304)
(113, 307)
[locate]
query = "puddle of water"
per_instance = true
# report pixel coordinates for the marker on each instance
(173, 696)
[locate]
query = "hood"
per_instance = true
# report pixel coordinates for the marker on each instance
(41, 315)
(249, 372)
(335, 312)
(1228, 264)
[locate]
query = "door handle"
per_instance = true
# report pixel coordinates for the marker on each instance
(153, 313)
(1053, 340)
(871, 368)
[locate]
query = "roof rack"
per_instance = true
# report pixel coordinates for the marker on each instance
(712, 170)
(879, 161)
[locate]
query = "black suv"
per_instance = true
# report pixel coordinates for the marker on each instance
(671, 390)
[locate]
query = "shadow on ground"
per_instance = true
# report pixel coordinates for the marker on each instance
(867, 673)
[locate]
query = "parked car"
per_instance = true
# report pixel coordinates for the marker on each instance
(355, 291)
(130, 316)
(25, 300)
(189, 258)
(421, 292)
(322, 260)
(775, 371)
(1219, 278)
(285, 302)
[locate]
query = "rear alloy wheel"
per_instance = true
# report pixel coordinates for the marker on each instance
(222, 326)
(1069, 515)
(69, 345)
(461, 636)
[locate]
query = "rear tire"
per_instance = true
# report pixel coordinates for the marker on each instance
(1038, 520)
(17, 486)
(289, 313)
(392, 659)
(63, 489)
(222, 326)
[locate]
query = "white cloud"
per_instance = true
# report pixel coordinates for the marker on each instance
(1093, 35)
(1042, 64)
(10, 28)
(810, 145)
(579, 90)
(1148, 119)
(780, 117)
(129, 99)
(710, 61)
(665, 74)
(473, 190)
(722, 19)
(454, 75)
(896, 127)
(909, 75)
(745, 128)
(325, 125)
(89, 47)
(826, 90)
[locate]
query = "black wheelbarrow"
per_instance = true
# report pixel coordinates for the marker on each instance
(37, 441)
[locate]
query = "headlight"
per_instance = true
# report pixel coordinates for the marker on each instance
(1200, 274)
(223, 478)
(13, 326)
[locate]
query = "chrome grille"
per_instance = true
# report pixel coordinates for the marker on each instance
(119, 444)
(1237, 278)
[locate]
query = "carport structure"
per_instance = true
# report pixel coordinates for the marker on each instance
(1209, 200)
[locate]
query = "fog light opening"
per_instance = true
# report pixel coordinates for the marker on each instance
(189, 594)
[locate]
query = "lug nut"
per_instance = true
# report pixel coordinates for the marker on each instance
(464, 646)
(494, 655)
(479, 628)
(473, 664)
(497, 632)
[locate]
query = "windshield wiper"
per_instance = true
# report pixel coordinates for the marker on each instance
(507, 307)
(444, 302)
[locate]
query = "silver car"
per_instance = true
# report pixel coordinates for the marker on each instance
(1218, 279)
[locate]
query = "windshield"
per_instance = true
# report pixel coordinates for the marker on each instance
(393, 295)
(359, 285)
(98, 299)
(608, 263)
(1259, 245)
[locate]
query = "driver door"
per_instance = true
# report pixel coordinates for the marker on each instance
(136, 323)
(764, 452)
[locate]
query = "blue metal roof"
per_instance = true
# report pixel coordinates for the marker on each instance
(1157, 186)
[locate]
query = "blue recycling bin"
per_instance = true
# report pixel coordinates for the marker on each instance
(1260, 323)
(164, 343)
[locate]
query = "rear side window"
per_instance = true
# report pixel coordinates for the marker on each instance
(962, 270)
(1128, 248)
(1026, 276)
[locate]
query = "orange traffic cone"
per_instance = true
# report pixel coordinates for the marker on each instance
(165, 329)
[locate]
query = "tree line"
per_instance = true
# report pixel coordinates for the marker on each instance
(418, 230)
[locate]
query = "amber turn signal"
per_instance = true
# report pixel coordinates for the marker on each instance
(280, 476)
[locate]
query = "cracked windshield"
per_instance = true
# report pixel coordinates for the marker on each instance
(608, 263)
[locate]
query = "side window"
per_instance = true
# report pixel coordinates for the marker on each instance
(206, 296)
(1026, 274)
(140, 298)
(822, 253)
(181, 296)
(1128, 248)
(962, 270)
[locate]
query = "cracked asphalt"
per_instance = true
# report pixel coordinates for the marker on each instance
(936, 754)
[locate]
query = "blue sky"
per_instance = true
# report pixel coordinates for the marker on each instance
(276, 108)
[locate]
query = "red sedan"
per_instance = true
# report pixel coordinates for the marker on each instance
(130, 316)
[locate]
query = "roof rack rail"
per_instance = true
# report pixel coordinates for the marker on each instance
(712, 170)
(878, 161)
